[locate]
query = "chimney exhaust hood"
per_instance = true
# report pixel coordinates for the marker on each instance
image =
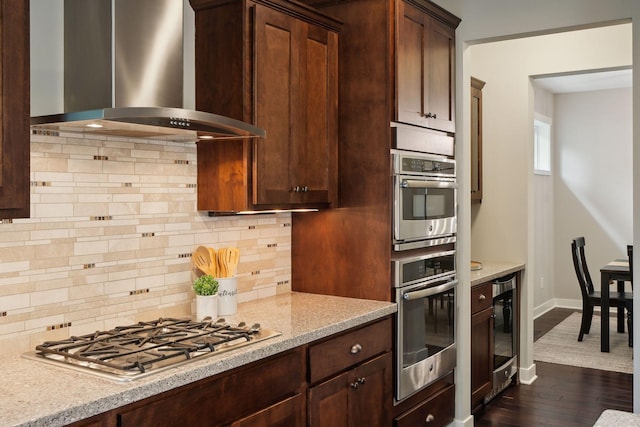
(123, 75)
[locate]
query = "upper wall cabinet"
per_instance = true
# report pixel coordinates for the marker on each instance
(14, 109)
(425, 77)
(476, 139)
(273, 64)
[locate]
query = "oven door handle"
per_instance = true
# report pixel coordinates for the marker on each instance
(413, 183)
(430, 291)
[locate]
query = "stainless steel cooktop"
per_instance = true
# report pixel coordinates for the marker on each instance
(134, 351)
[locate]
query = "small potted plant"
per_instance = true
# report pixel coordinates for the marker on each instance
(206, 289)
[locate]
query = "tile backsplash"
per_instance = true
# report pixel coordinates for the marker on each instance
(109, 242)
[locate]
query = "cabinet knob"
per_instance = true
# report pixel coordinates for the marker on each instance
(354, 385)
(430, 418)
(482, 297)
(305, 189)
(362, 380)
(356, 348)
(431, 116)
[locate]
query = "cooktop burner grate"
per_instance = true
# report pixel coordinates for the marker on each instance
(129, 352)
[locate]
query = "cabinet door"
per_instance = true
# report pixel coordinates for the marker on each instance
(276, 73)
(371, 393)
(14, 109)
(295, 101)
(359, 397)
(288, 413)
(424, 70)
(481, 355)
(317, 169)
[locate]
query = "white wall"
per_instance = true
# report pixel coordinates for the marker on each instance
(506, 67)
(543, 222)
(592, 181)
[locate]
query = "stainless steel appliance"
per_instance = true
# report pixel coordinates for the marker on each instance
(123, 75)
(505, 334)
(424, 200)
(425, 289)
(130, 352)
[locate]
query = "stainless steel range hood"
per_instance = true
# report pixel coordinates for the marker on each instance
(123, 75)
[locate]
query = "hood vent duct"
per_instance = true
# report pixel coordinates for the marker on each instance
(123, 75)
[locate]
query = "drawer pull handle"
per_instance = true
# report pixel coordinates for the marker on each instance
(429, 418)
(482, 297)
(357, 383)
(355, 349)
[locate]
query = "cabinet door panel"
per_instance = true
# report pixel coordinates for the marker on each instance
(328, 403)
(410, 73)
(481, 355)
(288, 413)
(317, 148)
(371, 400)
(440, 78)
(276, 76)
(14, 109)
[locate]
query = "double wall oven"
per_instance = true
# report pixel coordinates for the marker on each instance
(423, 268)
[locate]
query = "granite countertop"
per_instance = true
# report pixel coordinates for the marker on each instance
(493, 270)
(36, 394)
(613, 418)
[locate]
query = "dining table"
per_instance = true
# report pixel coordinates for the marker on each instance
(615, 272)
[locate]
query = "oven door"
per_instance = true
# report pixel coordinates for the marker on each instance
(424, 209)
(426, 348)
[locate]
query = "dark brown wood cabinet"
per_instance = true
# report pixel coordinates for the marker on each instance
(359, 388)
(273, 64)
(14, 109)
(343, 377)
(476, 139)
(481, 343)
(425, 79)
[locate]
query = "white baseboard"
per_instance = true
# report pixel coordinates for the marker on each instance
(468, 422)
(556, 303)
(527, 375)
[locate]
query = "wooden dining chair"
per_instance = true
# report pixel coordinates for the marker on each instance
(630, 305)
(590, 297)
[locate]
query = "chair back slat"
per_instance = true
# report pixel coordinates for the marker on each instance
(580, 266)
(630, 255)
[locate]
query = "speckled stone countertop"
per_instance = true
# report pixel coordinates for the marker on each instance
(613, 418)
(493, 270)
(38, 394)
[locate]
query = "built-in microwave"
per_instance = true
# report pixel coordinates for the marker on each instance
(424, 200)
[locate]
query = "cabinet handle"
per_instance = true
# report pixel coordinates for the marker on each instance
(431, 116)
(355, 349)
(482, 297)
(305, 189)
(429, 418)
(357, 383)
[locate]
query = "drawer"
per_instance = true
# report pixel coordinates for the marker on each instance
(437, 411)
(341, 352)
(481, 297)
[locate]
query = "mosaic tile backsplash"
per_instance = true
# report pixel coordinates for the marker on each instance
(109, 242)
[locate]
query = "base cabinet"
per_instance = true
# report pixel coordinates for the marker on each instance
(343, 380)
(481, 343)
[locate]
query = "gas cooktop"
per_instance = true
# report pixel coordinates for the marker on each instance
(134, 351)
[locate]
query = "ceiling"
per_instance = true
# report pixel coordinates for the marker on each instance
(583, 82)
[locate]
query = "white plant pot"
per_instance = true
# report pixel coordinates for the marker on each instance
(206, 306)
(227, 295)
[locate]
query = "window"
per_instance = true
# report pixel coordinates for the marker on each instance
(542, 145)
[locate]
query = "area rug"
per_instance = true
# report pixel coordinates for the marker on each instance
(560, 345)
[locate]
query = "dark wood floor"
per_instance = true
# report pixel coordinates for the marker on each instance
(562, 395)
